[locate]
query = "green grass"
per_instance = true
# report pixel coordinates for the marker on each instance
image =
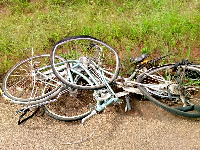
(132, 27)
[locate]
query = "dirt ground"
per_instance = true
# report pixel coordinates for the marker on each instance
(145, 127)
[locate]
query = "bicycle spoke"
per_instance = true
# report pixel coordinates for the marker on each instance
(24, 84)
(181, 89)
(90, 52)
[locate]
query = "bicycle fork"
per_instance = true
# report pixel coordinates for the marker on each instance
(105, 97)
(104, 101)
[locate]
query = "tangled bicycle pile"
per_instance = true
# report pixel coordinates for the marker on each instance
(84, 70)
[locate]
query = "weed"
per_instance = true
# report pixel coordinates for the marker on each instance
(131, 27)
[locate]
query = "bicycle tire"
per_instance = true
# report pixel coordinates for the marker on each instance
(19, 83)
(71, 105)
(95, 51)
(171, 99)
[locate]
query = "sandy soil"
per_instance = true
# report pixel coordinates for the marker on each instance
(145, 127)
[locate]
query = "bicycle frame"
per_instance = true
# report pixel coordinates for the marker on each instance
(104, 97)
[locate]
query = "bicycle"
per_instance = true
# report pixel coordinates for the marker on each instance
(93, 65)
(97, 74)
(32, 82)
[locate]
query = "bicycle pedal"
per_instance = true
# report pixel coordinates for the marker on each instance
(128, 105)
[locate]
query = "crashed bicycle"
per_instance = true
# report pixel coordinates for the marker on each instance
(83, 71)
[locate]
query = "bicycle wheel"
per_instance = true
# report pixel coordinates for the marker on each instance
(71, 104)
(177, 91)
(92, 56)
(27, 81)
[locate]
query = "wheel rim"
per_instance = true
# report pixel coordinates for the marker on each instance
(181, 95)
(24, 82)
(72, 104)
(90, 52)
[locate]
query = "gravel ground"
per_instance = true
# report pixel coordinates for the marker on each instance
(145, 127)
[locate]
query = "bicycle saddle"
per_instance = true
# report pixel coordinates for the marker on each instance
(140, 58)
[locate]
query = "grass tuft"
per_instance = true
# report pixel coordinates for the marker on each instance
(157, 27)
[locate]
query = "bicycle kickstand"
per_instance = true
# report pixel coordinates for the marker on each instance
(128, 105)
